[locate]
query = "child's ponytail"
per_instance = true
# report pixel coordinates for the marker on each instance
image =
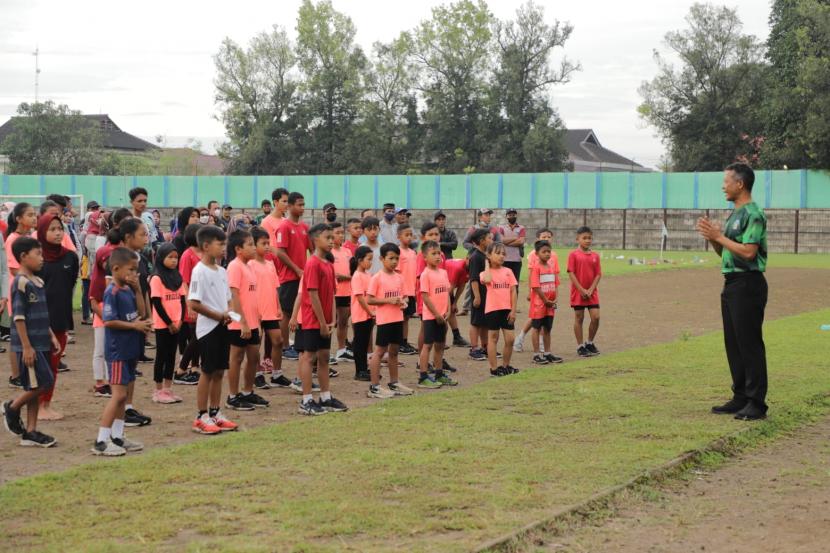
(359, 254)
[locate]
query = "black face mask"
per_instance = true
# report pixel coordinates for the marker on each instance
(511, 220)
(331, 217)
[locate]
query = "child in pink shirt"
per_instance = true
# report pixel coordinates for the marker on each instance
(168, 296)
(363, 314)
(407, 270)
(270, 314)
(435, 291)
(343, 293)
(499, 307)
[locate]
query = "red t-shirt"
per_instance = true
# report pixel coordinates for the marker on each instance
(351, 246)
(542, 276)
(499, 289)
(360, 287)
(457, 272)
(584, 267)
(407, 268)
(342, 257)
(241, 277)
(186, 264)
(293, 238)
(436, 283)
(384, 286)
(318, 275)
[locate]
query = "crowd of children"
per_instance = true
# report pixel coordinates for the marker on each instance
(229, 302)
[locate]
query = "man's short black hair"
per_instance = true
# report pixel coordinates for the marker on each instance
(294, 197)
(478, 235)
(539, 244)
(335, 224)
(59, 199)
(403, 226)
(743, 173)
(389, 247)
(258, 233)
(428, 226)
(263, 203)
(541, 230)
(44, 207)
(137, 191)
(190, 232)
(428, 245)
(237, 239)
(24, 244)
(352, 221)
(370, 222)
(208, 234)
(121, 256)
(583, 230)
(279, 193)
(119, 215)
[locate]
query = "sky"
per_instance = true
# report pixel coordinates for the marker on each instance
(149, 65)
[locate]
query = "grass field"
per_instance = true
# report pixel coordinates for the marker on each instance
(436, 472)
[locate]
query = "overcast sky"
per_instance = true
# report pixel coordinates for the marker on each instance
(149, 64)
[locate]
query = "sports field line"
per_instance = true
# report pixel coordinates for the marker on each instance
(442, 471)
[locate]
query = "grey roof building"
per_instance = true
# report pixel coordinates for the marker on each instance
(114, 137)
(585, 153)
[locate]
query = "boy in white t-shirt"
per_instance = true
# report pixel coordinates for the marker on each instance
(210, 298)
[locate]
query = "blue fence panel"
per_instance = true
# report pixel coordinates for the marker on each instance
(550, 190)
(452, 191)
(648, 190)
(517, 190)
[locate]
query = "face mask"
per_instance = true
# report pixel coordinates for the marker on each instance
(388, 216)
(331, 217)
(204, 219)
(511, 220)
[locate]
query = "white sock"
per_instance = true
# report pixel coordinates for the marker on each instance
(589, 342)
(307, 398)
(129, 406)
(520, 337)
(104, 434)
(118, 428)
(325, 396)
(340, 352)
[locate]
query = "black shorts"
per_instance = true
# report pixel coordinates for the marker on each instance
(584, 307)
(310, 340)
(40, 376)
(388, 334)
(497, 320)
(270, 325)
(287, 293)
(342, 301)
(435, 333)
(215, 349)
(544, 322)
(236, 339)
(410, 307)
(477, 316)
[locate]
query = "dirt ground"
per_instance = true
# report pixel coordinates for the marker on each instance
(636, 310)
(774, 500)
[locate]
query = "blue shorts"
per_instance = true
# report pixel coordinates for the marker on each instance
(40, 376)
(122, 372)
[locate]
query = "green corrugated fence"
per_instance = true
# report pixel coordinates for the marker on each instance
(793, 189)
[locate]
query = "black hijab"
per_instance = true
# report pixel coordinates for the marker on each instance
(171, 278)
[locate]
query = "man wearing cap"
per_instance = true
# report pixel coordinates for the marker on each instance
(330, 213)
(388, 225)
(225, 220)
(513, 235)
(449, 241)
(483, 222)
(92, 228)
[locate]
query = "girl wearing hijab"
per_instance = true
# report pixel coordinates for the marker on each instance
(59, 274)
(187, 216)
(168, 293)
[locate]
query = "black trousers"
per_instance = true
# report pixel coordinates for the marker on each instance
(188, 346)
(516, 267)
(360, 344)
(743, 300)
(165, 360)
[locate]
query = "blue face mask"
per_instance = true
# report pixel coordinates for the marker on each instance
(388, 216)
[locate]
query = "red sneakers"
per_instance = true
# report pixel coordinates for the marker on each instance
(205, 425)
(224, 424)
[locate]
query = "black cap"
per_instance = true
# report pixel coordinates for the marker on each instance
(439, 214)
(329, 206)
(388, 206)
(511, 210)
(265, 202)
(227, 206)
(92, 204)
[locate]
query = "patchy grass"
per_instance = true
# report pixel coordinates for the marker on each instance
(436, 472)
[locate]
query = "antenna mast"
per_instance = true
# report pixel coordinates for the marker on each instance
(36, 54)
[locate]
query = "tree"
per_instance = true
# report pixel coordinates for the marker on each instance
(707, 111)
(521, 118)
(52, 139)
(333, 68)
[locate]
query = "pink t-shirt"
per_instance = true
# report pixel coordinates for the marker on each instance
(407, 268)
(499, 289)
(420, 265)
(360, 287)
(13, 263)
(267, 283)
(542, 276)
(384, 286)
(342, 256)
(436, 284)
(241, 277)
(271, 224)
(171, 300)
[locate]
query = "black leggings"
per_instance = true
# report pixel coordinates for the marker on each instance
(188, 346)
(360, 344)
(165, 355)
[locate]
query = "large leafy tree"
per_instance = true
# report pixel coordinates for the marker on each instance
(708, 110)
(52, 139)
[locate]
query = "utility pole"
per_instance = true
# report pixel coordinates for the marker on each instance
(36, 54)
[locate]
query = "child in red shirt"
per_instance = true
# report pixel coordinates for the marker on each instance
(532, 260)
(317, 312)
(290, 250)
(499, 307)
(168, 296)
(270, 314)
(243, 330)
(585, 272)
(407, 269)
(363, 314)
(435, 291)
(543, 283)
(386, 291)
(355, 231)
(343, 293)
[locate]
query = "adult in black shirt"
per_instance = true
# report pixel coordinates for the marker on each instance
(481, 238)
(448, 240)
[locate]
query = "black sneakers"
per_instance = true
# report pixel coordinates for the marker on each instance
(582, 351)
(255, 400)
(311, 408)
(499, 371)
(37, 439)
(750, 413)
(592, 349)
(133, 418)
(553, 358)
(363, 376)
(11, 420)
(540, 359)
(333, 405)
(280, 381)
(445, 366)
(730, 407)
(239, 403)
(460, 342)
(407, 349)
(14, 382)
(260, 383)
